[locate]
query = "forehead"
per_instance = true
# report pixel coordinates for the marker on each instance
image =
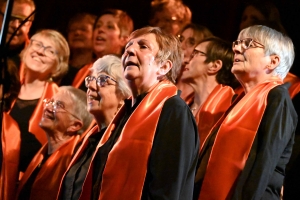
(47, 41)
(63, 95)
(148, 37)
(189, 32)
(108, 18)
(253, 12)
(21, 9)
(202, 46)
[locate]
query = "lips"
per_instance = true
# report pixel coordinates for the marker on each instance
(48, 114)
(130, 63)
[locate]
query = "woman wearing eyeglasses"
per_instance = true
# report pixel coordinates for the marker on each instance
(250, 146)
(208, 72)
(106, 92)
(189, 36)
(45, 58)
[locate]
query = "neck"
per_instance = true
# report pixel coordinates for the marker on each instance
(141, 89)
(56, 140)
(248, 82)
(202, 88)
(81, 57)
(106, 117)
(32, 89)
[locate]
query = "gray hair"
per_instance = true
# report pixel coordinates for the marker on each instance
(112, 66)
(78, 97)
(275, 43)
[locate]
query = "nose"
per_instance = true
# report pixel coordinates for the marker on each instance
(14, 23)
(237, 48)
(92, 85)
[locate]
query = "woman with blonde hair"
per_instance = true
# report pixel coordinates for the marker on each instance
(45, 59)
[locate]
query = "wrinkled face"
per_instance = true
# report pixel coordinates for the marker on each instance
(58, 113)
(250, 17)
(197, 67)
(102, 98)
(188, 43)
(80, 35)
(19, 12)
(37, 61)
(140, 66)
(107, 36)
(249, 62)
(168, 21)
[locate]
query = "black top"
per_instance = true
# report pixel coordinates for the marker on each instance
(69, 77)
(21, 113)
(74, 178)
(262, 176)
(173, 158)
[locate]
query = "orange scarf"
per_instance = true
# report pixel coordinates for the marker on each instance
(51, 88)
(234, 140)
(212, 109)
(132, 149)
(48, 179)
(81, 74)
(295, 84)
(11, 141)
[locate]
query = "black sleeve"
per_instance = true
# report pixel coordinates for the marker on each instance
(263, 173)
(172, 163)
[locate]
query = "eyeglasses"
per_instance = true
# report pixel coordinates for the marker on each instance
(100, 80)
(246, 43)
(48, 51)
(57, 106)
(19, 18)
(197, 52)
(189, 42)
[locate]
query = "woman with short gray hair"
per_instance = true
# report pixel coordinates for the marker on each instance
(248, 149)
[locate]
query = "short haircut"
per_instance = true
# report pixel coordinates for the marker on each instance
(169, 49)
(29, 2)
(112, 66)
(275, 43)
(270, 13)
(125, 23)
(219, 49)
(176, 6)
(78, 98)
(61, 45)
(78, 17)
(200, 32)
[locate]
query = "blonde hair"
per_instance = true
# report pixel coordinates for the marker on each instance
(62, 47)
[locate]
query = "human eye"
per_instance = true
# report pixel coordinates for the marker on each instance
(59, 104)
(50, 51)
(191, 41)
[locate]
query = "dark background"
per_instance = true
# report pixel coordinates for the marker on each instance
(222, 17)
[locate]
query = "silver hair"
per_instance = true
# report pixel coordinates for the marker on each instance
(275, 43)
(112, 66)
(78, 97)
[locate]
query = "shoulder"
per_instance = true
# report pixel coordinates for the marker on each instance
(175, 101)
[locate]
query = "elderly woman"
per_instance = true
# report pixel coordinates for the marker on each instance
(106, 92)
(250, 146)
(65, 118)
(189, 36)
(209, 74)
(45, 58)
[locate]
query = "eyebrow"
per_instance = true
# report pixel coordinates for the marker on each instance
(200, 51)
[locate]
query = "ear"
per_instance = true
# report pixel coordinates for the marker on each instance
(275, 60)
(215, 67)
(165, 68)
(124, 40)
(75, 126)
